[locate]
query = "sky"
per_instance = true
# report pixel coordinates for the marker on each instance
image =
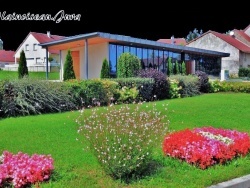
(151, 21)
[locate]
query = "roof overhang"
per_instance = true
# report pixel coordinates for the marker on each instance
(99, 37)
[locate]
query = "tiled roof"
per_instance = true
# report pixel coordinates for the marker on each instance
(178, 41)
(7, 56)
(233, 41)
(246, 28)
(42, 38)
(229, 39)
(243, 34)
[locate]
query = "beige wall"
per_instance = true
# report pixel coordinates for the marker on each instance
(96, 55)
(211, 42)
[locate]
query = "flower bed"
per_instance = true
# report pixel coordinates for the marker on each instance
(21, 170)
(206, 146)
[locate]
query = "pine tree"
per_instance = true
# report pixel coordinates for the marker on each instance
(105, 69)
(183, 68)
(169, 66)
(22, 66)
(68, 72)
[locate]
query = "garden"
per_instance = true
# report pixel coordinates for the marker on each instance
(143, 130)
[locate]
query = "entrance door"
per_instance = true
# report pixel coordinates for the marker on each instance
(76, 63)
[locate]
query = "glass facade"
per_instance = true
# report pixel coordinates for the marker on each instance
(158, 58)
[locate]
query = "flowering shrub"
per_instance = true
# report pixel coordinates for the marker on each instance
(123, 137)
(20, 170)
(206, 146)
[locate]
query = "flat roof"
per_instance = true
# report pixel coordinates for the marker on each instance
(131, 41)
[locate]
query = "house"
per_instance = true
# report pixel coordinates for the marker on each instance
(35, 54)
(172, 40)
(6, 58)
(89, 50)
(237, 43)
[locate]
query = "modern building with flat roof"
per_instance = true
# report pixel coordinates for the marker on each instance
(89, 50)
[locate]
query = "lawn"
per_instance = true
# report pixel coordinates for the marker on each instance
(37, 75)
(56, 134)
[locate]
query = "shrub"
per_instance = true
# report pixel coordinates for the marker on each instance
(128, 95)
(111, 89)
(105, 69)
(22, 66)
(183, 68)
(127, 65)
(243, 72)
(123, 138)
(143, 85)
(189, 85)
(161, 84)
(68, 70)
(204, 81)
(174, 91)
(22, 170)
(224, 86)
(30, 96)
(94, 93)
(169, 66)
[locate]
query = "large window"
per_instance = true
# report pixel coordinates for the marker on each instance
(157, 58)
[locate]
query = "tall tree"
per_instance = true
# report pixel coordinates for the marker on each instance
(68, 72)
(22, 66)
(128, 65)
(192, 35)
(105, 69)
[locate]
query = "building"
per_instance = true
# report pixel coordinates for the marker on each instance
(6, 58)
(89, 50)
(172, 40)
(35, 54)
(236, 43)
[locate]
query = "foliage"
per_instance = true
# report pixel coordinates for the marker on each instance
(206, 146)
(169, 66)
(22, 170)
(127, 65)
(111, 89)
(176, 68)
(189, 85)
(244, 72)
(174, 89)
(204, 81)
(105, 69)
(224, 86)
(128, 95)
(183, 68)
(29, 96)
(161, 84)
(122, 138)
(22, 66)
(68, 71)
(193, 35)
(144, 85)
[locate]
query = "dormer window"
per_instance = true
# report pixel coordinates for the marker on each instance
(26, 47)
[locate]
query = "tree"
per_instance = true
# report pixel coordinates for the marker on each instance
(22, 66)
(183, 68)
(105, 69)
(176, 68)
(169, 66)
(128, 65)
(193, 35)
(68, 72)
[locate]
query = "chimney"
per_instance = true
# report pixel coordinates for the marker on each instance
(172, 39)
(48, 34)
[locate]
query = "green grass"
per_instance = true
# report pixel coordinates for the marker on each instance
(56, 134)
(37, 75)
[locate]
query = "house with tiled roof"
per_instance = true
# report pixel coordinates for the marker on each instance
(6, 58)
(173, 40)
(35, 54)
(237, 43)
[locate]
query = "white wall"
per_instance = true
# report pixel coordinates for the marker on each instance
(245, 60)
